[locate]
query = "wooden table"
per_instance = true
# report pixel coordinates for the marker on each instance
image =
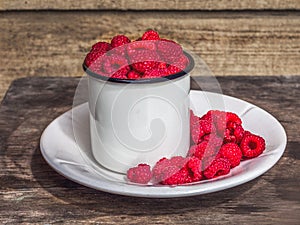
(30, 191)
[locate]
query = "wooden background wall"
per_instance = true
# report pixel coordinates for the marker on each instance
(234, 37)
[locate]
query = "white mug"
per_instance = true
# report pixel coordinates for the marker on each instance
(138, 121)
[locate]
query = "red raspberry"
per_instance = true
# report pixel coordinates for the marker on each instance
(119, 51)
(162, 65)
(232, 152)
(174, 176)
(197, 134)
(121, 73)
(181, 63)
(206, 126)
(252, 145)
(193, 119)
(170, 171)
(178, 161)
(144, 60)
(169, 50)
(195, 170)
(119, 40)
(93, 60)
(150, 35)
(135, 46)
(223, 120)
(173, 70)
(198, 150)
(238, 133)
(154, 73)
(211, 114)
(229, 137)
(113, 63)
(101, 47)
(140, 174)
(219, 119)
(232, 117)
(202, 128)
(217, 168)
(177, 170)
(246, 133)
(214, 144)
(133, 75)
(213, 140)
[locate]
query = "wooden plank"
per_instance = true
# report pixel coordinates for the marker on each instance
(55, 43)
(150, 5)
(32, 192)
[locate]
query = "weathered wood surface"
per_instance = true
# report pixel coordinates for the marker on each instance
(30, 191)
(240, 43)
(150, 5)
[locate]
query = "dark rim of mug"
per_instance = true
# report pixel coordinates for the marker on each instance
(182, 73)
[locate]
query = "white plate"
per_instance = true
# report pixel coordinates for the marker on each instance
(72, 156)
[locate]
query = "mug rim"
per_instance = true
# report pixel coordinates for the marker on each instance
(182, 73)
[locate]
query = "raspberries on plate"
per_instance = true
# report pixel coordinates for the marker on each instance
(219, 143)
(148, 57)
(252, 145)
(140, 174)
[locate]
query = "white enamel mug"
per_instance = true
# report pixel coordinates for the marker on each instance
(138, 121)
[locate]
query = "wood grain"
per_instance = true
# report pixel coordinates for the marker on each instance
(150, 5)
(55, 43)
(32, 192)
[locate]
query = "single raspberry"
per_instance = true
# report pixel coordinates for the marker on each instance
(150, 35)
(252, 145)
(169, 50)
(101, 47)
(94, 57)
(218, 167)
(206, 126)
(113, 63)
(133, 75)
(140, 174)
(119, 40)
(232, 152)
(195, 170)
(121, 73)
(234, 118)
